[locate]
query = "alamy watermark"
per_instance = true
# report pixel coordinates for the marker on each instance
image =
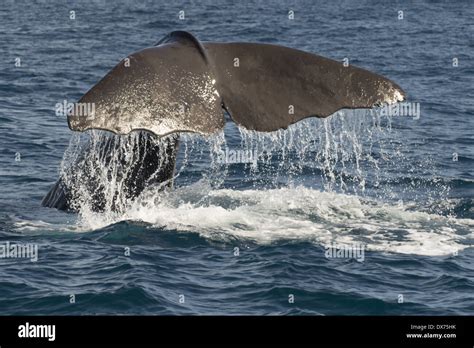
(77, 109)
(405, 109)
(229, 156)
(19, 251)
(345, 251)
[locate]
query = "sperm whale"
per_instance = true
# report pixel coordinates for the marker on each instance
(184, 85)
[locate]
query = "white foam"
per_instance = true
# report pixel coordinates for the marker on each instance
(345, 150)
(267, 216)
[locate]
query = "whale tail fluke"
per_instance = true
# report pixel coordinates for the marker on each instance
(181, 85)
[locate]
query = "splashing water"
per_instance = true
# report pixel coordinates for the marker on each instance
(103, 167)
(351, 196)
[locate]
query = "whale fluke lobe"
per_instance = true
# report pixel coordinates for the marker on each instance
(164, 89)
(274, 86)
(181, 85)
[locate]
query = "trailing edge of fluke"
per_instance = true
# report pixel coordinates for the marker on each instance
(182, 85)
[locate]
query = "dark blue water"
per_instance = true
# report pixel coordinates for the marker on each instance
(235, 238)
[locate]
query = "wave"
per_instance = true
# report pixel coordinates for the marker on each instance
(358, 199)
(296, 214)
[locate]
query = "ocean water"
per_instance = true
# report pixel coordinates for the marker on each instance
(248, 238)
